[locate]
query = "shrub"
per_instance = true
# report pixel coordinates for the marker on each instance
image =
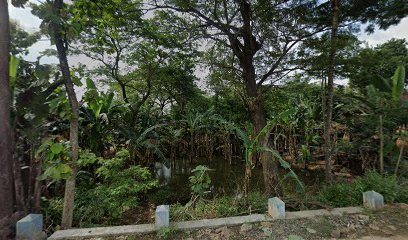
(200, 182)
(344, 194)
(161, 196)
(120, 187)
(52, 211)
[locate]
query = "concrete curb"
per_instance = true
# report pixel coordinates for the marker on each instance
(189, 225)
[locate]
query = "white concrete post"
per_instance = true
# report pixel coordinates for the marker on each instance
(162, 216)
(30, 228)
(276, 208)
(373, 200)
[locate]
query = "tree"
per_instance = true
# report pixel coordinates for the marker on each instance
(54, 15)
(21, 39)
(345, 13)
(59, 34)
(6, 159)
(330, 84)
(111, 33)
(174, 82)
(260, 37)
(133, 52)
(373, 65)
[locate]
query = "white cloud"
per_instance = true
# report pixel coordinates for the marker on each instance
(31, 23)
(381, 36)
(25, 18)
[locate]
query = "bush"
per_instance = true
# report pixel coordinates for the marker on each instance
(344, 194)
(120, 187)
(200, 182)
(161, 196)
(52, 211)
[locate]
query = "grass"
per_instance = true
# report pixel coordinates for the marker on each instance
(225, 206)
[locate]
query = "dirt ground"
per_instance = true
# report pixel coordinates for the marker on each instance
(390, 222)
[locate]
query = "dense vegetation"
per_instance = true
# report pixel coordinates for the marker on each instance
(239, 97)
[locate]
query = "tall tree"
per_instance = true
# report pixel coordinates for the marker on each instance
(376, 13)
(372, 65)
(6, 159)
(261, 36)
(111, 33)
(59, 33)
(330, 80)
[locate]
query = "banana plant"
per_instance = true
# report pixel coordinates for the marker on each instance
(252, 143)
(398, 86)
(381, 98)
(97, 114)
(140, 142)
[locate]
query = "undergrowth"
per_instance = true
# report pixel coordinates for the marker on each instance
(224, 206)
(344, 194)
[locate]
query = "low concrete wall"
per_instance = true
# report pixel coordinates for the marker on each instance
(189, 225)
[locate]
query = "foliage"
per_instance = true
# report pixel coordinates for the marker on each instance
(398, 84)
(166, 233)
(140, 142)
(200, 182)
(57, 159)
(376, 65)
(224, 206)
(52, 211)
(120, 187)
(98, 115)
(252, 144)
(344, 194)
(146, 100)
(21, 40)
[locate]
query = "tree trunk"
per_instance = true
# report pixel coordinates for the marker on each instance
(269, 165)
(330, 83)
(61, 45)
(36, 197)
(247, 181)
(245, 54)
(6, 160)
(381, 133)
(399, 160)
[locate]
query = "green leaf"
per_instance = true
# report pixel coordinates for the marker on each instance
(285, 165)
(286, 114)
(398, 81)
(90, 84)
(64, 169)
(56, 148)
(243, 135)
(13, 67)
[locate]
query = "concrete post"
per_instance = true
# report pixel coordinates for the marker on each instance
(373, 200)
(162, 216)
(30, 228)
(276, 208)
